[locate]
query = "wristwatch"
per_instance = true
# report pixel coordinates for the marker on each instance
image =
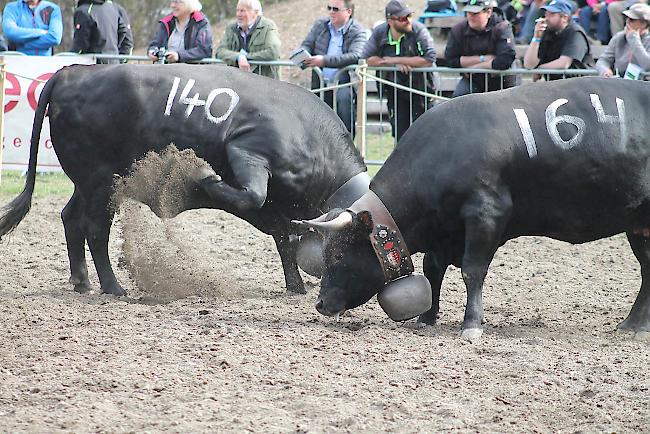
(481, 58)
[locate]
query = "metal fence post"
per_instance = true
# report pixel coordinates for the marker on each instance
(360, 124)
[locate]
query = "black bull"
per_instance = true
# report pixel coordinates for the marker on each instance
(568, 160)
(280, 151)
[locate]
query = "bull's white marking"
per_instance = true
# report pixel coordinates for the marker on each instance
(195, 101)
(552, 121)
(234, 99)
(611, 119)
(172, 95)
(526, 131)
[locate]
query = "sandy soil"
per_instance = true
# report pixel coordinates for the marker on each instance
(235, 353)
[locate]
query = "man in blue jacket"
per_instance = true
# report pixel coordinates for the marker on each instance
(336, 42)
(32, 27)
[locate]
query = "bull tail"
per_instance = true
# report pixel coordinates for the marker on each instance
(16, 210)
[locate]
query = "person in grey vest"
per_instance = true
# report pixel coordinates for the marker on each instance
(99, 28)
(558, 43)
(336, 42)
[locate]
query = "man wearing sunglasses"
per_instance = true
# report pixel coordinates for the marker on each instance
(483, 40)
(404, 44)
(336, 42)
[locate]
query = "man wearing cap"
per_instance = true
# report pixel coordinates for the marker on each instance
(483, 40)
(405, 44)
(558, 42)
(628, 52)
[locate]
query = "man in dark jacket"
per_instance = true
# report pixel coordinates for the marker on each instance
(99, 27)
(334, 43)
(405, 44)
(483, 40)
(125, 46)
(184, 35)
(558, 42)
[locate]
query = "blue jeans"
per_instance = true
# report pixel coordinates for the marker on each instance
(603, 33)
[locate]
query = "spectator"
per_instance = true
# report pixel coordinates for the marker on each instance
(558, 43)
(251, 37)
(184, 35)
(336, 42)
(100, 28)
(615, 12)
(628, 47)
(598, 10)
(532, 14)
(406, 44)
(32, 27)
(125, 46)
(482, 40)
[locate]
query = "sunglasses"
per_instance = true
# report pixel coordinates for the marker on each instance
(335, 9)
(401, 19)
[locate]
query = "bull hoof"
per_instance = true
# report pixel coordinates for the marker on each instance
(427, 319)
(297, 288)
(115, 290)
(630, 325)
(473, 336)
(82, 287)
(204, 173)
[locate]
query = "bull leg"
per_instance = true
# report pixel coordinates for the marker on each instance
(249, 172)
(97, 227)
(434, 270)
(76, 242)
(287, 246)
(638, 320)
(483, 231)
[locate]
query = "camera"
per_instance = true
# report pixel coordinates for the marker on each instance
(160, 53)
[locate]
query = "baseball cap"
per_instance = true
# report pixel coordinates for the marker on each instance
(475, 6)
(398, 8)
(638, 11)
(563, 7)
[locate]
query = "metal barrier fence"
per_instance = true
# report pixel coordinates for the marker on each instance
(377, 104)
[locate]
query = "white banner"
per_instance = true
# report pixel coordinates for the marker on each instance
(22, 89)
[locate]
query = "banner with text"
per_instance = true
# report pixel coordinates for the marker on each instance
(23, 85)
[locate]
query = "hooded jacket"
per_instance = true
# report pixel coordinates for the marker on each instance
(100, 26)
(32, 32)
(198, 37)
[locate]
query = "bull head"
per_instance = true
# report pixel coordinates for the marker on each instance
(351, 273)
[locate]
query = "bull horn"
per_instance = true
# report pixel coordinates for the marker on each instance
(344, 219)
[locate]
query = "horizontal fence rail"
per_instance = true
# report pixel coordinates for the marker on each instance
(373, 121)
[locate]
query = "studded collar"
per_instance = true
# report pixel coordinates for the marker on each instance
(386, 239)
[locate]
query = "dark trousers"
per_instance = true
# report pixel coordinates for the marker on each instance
(478, 84)
(345, 105)
(403, 109)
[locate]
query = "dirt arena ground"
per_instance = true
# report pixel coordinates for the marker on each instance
(235, 353)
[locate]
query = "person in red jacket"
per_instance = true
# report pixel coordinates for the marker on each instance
(184, 35)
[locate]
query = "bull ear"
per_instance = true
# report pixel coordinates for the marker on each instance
(365, 219)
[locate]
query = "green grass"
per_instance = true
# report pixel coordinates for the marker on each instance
(47, 184)
(378, 148)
